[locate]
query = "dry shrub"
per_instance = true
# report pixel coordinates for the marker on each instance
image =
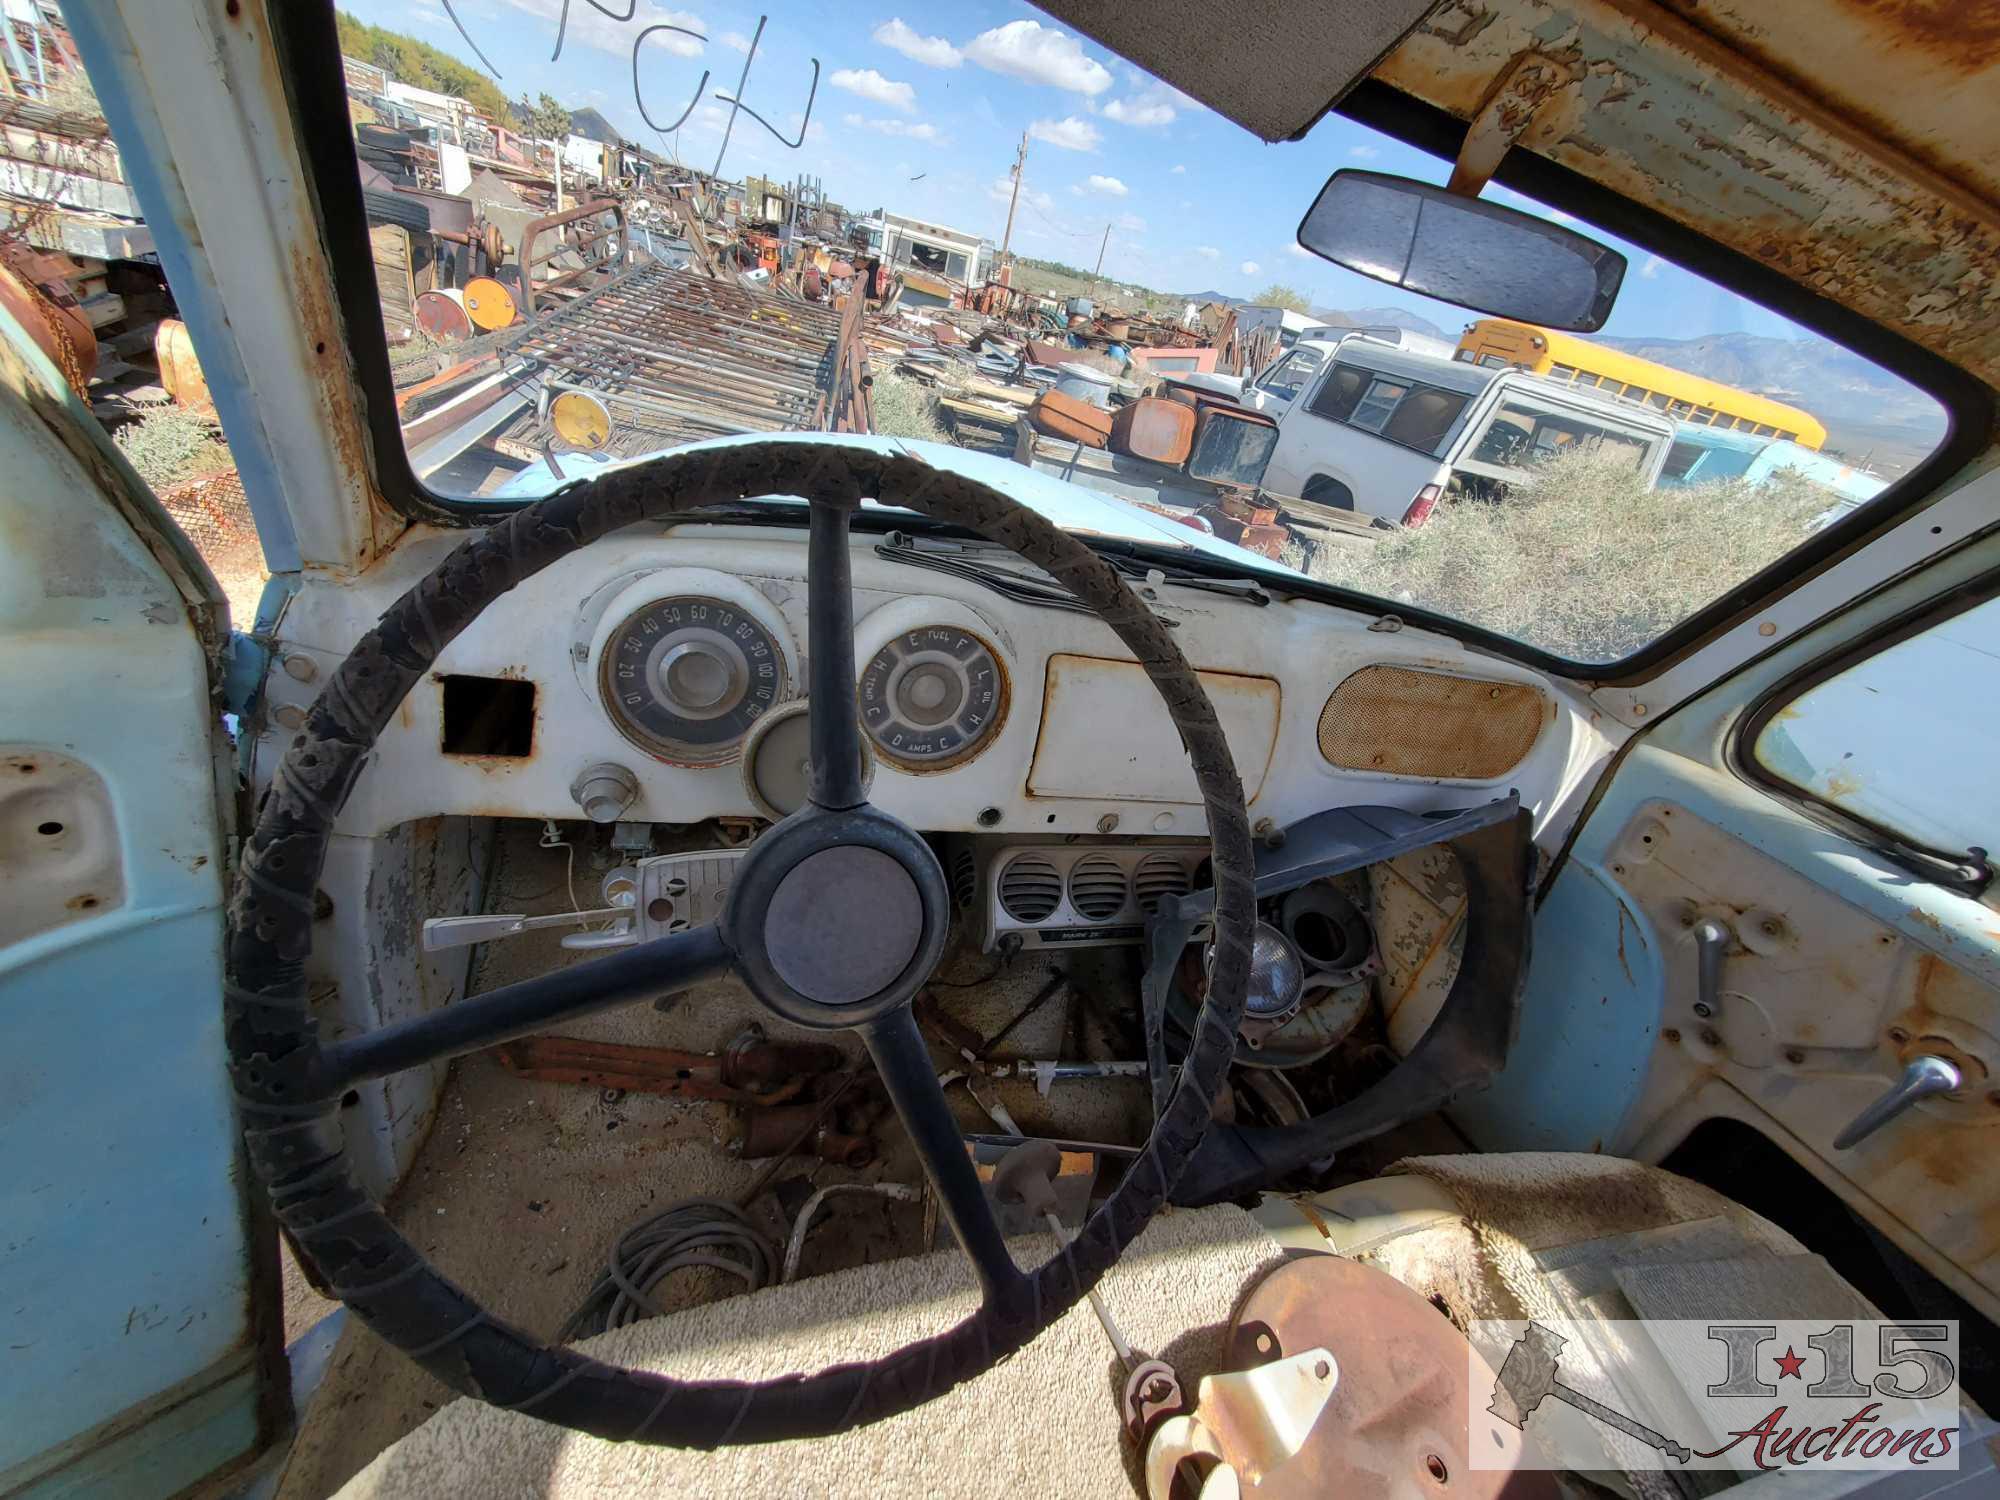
(1582, 561)
(172, 444)
(905, 409)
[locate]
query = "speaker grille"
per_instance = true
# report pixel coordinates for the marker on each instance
(1401, 722)
(1030, 888)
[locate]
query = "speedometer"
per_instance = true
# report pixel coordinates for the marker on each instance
(685, 677)
(931, 697)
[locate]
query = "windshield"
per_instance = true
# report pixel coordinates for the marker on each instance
(595, 239)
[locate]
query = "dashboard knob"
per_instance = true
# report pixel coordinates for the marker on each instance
(605, 791)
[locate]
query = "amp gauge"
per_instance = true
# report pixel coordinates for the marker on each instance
(933, 696)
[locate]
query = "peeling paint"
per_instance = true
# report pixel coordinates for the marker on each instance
(1900, 224)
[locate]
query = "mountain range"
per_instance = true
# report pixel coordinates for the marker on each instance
(1869, 413)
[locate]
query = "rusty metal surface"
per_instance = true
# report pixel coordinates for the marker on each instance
(1818, 1007)
(594, 234)
(1397, 1425)
(785, 1129)
(1396, 721)
(678, 357)
(1806, 177)
(742, 1073)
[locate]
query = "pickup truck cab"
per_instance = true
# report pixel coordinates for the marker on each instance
(1388, 432)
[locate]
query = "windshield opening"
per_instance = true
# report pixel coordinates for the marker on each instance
(594, 240)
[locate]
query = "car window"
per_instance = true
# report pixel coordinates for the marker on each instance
(1520, 434)
(1289, 376)
(1904, 738)
(1377, 404)
(1424, 417)
(1339, 392)
(594, 237)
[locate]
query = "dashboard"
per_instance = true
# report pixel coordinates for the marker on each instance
(657, 674)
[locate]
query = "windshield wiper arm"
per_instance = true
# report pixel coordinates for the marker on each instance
(900, 547)
(1246, 589)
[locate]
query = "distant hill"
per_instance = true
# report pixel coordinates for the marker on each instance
(1868, 412)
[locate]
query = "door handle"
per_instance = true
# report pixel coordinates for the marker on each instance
(1922, 1077)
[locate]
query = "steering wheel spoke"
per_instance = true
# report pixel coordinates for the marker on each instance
(528, 1006)
(837, 780)
(908, 1075)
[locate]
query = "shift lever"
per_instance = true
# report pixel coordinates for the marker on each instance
(1026, 1175)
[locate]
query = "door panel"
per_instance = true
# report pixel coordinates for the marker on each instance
(130, 1360)
(1865, 965)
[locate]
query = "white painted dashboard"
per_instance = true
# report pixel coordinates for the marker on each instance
(1084, 746)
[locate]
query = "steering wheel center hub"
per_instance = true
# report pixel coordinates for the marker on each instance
(843, 924)
(837, 917)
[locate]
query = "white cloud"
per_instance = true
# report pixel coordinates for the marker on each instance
(931, 51)
(1038, 54)
(590, 27)
(1136, 111)
(1249, 268)
(1650, 271)
(1002, 189)
(1178, 170)
(918, 132)
(1110, 187)
(1070, 133)
(1208, 252)
(736, 41)
(1364, 153)
(870, 84)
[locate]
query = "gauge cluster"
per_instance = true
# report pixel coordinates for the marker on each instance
(671, 669)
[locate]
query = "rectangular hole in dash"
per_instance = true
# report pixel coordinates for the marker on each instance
(491, 716)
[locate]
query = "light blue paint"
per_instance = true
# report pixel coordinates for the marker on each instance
(1072, 507)
(1588, 1024)
(124, 1281)
(109, 56)
(1726, 454)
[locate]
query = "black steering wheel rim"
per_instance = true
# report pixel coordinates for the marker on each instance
(288, 1084)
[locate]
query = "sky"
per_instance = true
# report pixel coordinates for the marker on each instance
(920, 110)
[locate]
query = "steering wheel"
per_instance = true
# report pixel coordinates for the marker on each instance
(835, 919)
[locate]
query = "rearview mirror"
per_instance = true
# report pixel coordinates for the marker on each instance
(1477, 255)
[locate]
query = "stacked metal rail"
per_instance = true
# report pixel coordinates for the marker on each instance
(676, 356)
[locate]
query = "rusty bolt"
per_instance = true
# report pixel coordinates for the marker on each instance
(1703, 1009)
(1671, 1037)
(1710, 1037)
(300, 667)
(1795, 1056)
(1898, 1035)
(1434, 1466)
(1108, 823)
(1773, 928)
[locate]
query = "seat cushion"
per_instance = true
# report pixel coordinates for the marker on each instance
(1045, 1420)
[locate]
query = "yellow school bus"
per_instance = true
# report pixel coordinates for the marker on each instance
(1683, 397)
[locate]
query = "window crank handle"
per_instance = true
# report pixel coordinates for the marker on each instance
(1711, 942)
(1923, 1077)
